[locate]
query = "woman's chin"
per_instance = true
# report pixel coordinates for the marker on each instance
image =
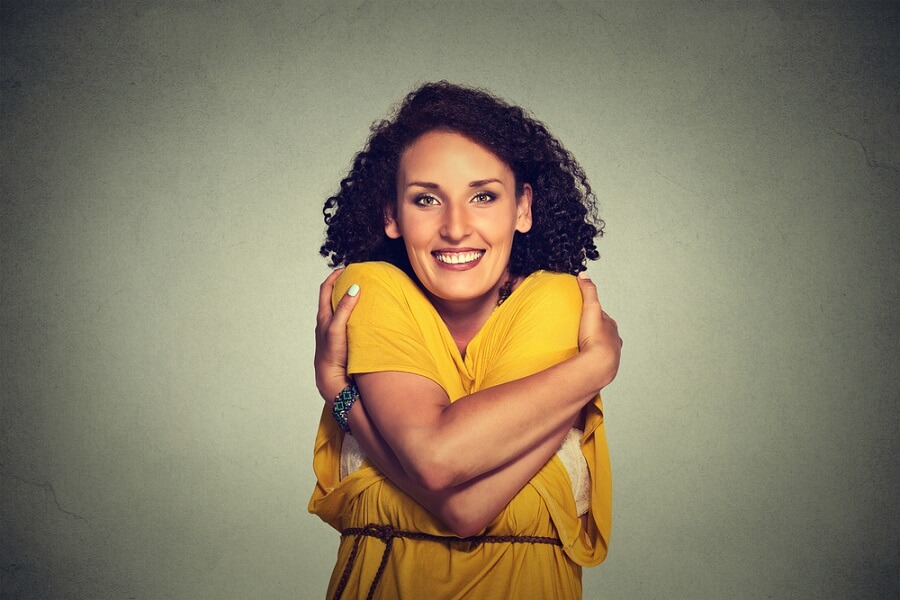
(461, 283)
(461, 293)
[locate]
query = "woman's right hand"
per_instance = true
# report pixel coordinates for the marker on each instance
(598, 334)
(331, 339)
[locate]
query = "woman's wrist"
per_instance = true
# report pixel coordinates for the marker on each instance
(344, 401)
(600, 364)
(330, 388)
(590, 373)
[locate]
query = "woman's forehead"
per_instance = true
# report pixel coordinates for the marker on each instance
(448, 156)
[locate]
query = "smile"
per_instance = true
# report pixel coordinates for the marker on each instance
(457, 257)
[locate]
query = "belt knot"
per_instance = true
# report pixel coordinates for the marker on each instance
(382, 532)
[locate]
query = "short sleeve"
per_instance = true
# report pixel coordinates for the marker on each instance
(537, 328)
(392, 326)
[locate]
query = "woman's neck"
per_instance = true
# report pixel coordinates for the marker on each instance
(465, 319)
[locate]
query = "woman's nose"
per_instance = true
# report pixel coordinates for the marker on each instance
(456, 223)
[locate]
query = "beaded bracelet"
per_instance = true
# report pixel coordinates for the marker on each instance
(342, 404)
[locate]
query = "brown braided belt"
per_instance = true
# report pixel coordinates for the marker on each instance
(386, 534)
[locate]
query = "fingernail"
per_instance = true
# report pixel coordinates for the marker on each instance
(354, 290)
(583, 275)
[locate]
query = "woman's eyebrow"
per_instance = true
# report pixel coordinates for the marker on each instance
(434, 186)
(482, 182)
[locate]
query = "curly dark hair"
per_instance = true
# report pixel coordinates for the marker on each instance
(564, 214)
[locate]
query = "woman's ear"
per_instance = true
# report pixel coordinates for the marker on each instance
(390, 224)
(523, 209)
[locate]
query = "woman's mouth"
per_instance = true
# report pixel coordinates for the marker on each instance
(458, 260)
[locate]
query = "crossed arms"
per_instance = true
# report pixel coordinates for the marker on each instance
(436, 451)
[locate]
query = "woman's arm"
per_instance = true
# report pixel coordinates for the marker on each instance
(440, 445)
(465, 509)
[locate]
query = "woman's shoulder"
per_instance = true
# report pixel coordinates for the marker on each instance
(553, 278)
(377, 280)
(374, 269)
(548, 287)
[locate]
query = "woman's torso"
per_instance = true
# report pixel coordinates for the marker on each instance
(514, 342)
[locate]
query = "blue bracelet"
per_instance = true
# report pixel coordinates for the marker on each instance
(342, 404)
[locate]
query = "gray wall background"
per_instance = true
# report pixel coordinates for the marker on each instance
(163, 170)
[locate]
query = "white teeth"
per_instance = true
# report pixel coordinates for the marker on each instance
(458, 258)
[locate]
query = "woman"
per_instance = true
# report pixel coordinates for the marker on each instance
(474, 353)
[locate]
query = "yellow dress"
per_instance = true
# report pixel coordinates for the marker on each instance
(394, 327)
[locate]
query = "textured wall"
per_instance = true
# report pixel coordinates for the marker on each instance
(163, 170)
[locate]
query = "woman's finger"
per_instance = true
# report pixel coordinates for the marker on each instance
(611, 320)
(589, 293)
(325, 291)
(344, 308)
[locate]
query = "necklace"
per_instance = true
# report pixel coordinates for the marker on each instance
(506, 290)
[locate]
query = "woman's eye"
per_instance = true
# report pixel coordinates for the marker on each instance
(426, 201)
(483, 197)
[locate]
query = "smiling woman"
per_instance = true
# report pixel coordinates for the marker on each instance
(456, 213)
(465, 359)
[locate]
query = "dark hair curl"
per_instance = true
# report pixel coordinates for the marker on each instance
(564, 216)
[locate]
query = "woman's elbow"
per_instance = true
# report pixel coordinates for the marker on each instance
(466, 515)
(468, 529)
(433, 471)
(464, 523)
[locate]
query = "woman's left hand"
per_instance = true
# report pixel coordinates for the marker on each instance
(331, 339)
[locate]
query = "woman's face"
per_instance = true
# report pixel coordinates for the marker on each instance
(457, 212)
